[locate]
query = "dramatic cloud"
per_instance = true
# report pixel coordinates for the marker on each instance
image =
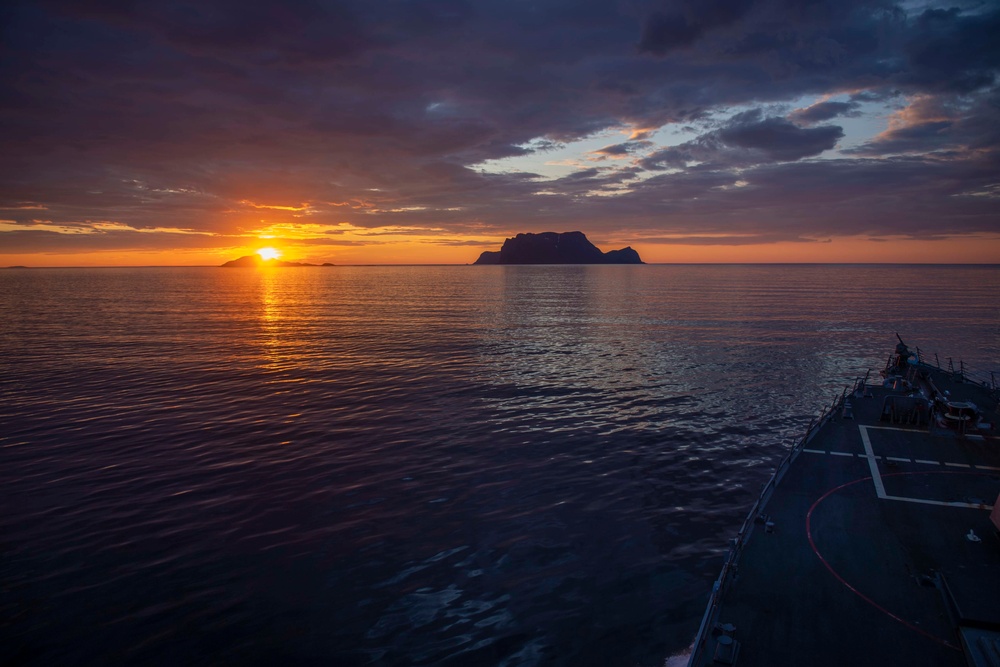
(951, 51)
(747, 139)
(821, 111)
(777, 138)
(680, 25)
(454, 122)
(621, 150)
(951, 127)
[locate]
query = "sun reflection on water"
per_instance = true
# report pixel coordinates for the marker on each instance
(271, 316)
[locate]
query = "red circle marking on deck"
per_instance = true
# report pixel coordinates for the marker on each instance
(851, 588)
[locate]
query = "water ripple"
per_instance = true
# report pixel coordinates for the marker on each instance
(413, 465)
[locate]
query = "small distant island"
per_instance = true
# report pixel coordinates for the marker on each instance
(556, 248)
(252, 261)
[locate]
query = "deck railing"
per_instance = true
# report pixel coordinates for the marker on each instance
(988, 379)
(737, 543)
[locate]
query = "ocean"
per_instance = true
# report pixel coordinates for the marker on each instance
(451, 465)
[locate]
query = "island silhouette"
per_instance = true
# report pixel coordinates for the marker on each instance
(252, 261)
(556, 248)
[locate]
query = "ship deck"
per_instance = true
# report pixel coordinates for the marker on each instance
(862, 553)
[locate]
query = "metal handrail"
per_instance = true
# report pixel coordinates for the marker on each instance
(988, 379)
(737, 543)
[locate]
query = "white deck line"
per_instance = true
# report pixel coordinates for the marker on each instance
(872, 465)
(880, 487)
(877, 457)
(941, 503)
(894, 428)
(971, 436)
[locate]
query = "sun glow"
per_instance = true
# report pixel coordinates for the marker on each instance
(269, 253)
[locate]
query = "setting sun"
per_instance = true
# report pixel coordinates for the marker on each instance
(269, 253)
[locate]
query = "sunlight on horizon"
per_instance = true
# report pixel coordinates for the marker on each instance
(269, 253)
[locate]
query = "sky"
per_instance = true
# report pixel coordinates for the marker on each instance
(399, 132)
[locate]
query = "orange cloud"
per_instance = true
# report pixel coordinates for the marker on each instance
(304, 207)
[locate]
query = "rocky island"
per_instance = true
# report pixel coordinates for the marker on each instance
(556, 248)
(256, 260)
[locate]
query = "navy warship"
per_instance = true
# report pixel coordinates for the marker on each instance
(876, 541)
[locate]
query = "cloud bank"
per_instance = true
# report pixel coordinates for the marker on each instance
(154, 124)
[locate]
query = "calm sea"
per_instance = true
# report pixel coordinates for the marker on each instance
(453, 465)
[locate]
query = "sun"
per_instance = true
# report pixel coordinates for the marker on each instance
(269, 253)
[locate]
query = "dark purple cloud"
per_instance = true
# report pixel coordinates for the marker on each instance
(749, 138)
(176, 114)
(678, 25)
(614, 150)
(822, 111)
(777, 138)
(623, 149)
(951, 51)
(949, 127)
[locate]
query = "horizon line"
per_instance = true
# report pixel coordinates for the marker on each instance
(332, 265)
